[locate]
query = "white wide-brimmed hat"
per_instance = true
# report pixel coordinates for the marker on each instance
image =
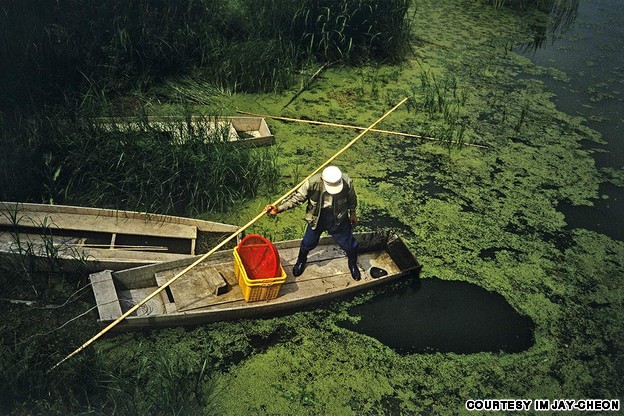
(332, 177)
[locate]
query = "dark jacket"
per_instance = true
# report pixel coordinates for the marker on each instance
(313, 190)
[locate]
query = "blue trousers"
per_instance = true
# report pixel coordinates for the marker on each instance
(342, 234)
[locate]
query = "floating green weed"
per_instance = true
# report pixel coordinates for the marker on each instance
(458, 207)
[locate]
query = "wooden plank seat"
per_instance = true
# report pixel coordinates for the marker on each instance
(105, 294)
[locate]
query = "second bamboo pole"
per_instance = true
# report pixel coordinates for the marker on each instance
(349, 126)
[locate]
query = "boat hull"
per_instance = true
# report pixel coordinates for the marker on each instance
(189, 301)
(79, 238)
(245, 131)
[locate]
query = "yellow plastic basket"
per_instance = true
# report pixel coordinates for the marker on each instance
(257, 289)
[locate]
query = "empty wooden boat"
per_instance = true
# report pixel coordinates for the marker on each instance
(248, 131)
(97, 239)
(211, 292)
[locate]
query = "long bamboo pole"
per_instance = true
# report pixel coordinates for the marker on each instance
(224, 242)
(348, 126)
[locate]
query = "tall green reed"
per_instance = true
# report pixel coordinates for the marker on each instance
(354, 31)
(442, 99)
(244, 45)
(33, 257)
(175, 165)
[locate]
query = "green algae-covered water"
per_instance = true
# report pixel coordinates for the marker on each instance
(585, 49)
(488, 217)
(589, 53)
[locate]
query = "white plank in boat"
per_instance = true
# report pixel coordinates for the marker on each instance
(102, 223)
(131, 255)
(105, 295)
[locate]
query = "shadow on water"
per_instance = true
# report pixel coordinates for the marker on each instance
(377, 219)
(433, 315)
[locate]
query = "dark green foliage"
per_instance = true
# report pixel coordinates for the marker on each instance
(77, 54)
(25, 360)
(17, 150)
(167, 383)
(50, 50)
(354, 31)
(90, 163)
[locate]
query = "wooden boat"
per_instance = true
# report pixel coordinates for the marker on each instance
(96, 239)
(248, 131)
(196, 296)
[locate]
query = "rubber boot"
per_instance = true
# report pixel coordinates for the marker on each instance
(301, 262)
(353, 268)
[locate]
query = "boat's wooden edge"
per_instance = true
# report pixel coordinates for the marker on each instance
(239, 123)
(254, 310)
(202, 225)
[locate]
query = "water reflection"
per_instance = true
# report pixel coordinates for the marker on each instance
(446, 316)
(561, 16)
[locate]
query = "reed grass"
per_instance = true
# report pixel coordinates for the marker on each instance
(561, 16)
(79, 57)
(151, 168)
(81, 161)
(247, 45)
(439, 96)
(354, 31)
(36, 262)
(442, 99)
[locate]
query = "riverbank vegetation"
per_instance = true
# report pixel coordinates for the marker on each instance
(486, 216)
(91, 162)
(76, 62)
(253, 46)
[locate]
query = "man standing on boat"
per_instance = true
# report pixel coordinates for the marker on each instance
(331, 207)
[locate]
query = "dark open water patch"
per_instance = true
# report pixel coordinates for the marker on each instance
(433, 315)
(604, 217)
